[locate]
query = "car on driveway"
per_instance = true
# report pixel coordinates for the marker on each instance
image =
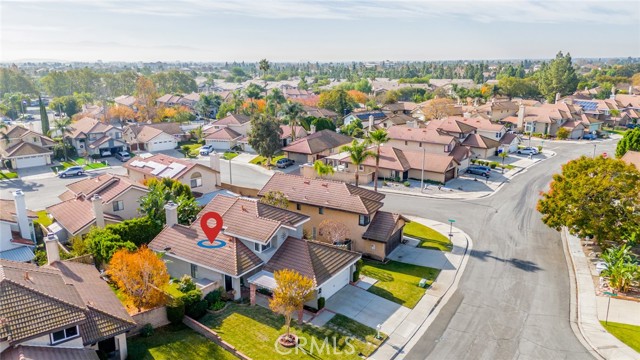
(206, 150)
(528, 151)
(591, 136)
(479, 170)
(284, 163)
(71, 171)
(123, 156)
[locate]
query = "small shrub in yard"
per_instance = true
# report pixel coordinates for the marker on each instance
(175, 311)
(147, 330)
(385, 183)
(473, 161)
(321, 302)
(186, 284)
(214, 296)
(493, 165)
(407, 184)
(194, 305)
(356, 274)
(218, 305)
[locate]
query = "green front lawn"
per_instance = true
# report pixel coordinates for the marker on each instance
(398, 282)
(175, 342)
(254, 331)
(88, 165)
(261, 160)
(628, 334)
(191, 146)
(229, 155)
(43, 219)
(7, 174)
(429, 238)
(356, 329)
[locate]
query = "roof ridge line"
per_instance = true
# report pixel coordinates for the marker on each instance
(51, 296)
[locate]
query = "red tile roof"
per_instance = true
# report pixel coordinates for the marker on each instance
(406, 133)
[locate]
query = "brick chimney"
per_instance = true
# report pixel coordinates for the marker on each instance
(370, 123)
(214, 161)
(98, 212)
(21, 214)
(613, 93)
(557, 97)
(51, 246)
(520, 123)
(171, 212)
(312, 129)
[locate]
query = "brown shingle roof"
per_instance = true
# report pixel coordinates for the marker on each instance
(250, 219)
(479, 141)
(224, 133)
(383, 225)
(8, 211)
(233, 259)
(324, 193)
(438, 163)
(312, 259)
(233, 119)
(390, 158)
(318, 142)
(25, 148)
(452, 124)
(23, 352)
(107, 186)
(632, 158)
(403, 132)
(286, 132)
(76, 214)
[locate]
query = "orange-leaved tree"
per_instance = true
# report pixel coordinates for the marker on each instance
(141, 275)
(121, 113)
(358, 96)
(291, 292)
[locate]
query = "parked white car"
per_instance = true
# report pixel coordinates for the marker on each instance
(528, 151)
(206, 150)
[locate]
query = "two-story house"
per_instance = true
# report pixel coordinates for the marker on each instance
(25, 148)
(105, 199)
(17, 236)
(256, 240)
(63, 310)
(372, 232)
(92, 137)
(200, 178)
(316, 146)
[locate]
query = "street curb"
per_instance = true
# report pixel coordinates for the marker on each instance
(574, 312)
(435, 310)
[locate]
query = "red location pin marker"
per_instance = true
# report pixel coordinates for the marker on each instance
(211, 232)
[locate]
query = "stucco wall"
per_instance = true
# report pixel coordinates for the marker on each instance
(209, 179)
(156, 317)
(130, 200)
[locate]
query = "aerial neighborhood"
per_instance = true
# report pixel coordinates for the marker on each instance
(248, 210)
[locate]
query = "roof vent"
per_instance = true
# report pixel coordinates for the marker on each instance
(325, 185)
(27, 277)
(307, 182)
(243, 208)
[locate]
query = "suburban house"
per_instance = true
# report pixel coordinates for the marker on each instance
(92, 137)
(126, 100)
(498, 110)
(364, 117)
(202, 179)
(396, 164)
(152, 137)
(316, 146)
(320, 113)
(287, 132)
(25, 148)
(632, 158)
(481, 146)
(546, 119)
(400, 107)
(105, 199)
(294, 93)
(421, 112)
(257, 239)
(372, 232)
(63, 310)
(17, 236)
(223, 139)
(239, 123)
(454, 126)
(394, 120)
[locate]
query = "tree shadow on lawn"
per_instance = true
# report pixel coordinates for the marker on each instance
(525, 265)
(388, 295)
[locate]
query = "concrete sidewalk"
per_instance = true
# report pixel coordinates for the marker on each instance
(416, 323)
(584, 307)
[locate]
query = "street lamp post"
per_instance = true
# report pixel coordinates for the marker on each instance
(230, 174)
(451, 221)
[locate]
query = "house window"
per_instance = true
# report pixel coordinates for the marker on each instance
(261, 247)
(314, 232)
(406, 143)
(497, 135)
(118, 205)
(118, 135)
(364, 220)
(194, 271)
(321, 210)
(360, 167)
(419, 144)
(446, 148)
(298, 206)
(64, 335)
(196, 180)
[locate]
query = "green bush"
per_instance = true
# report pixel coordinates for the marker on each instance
(407, 184)
(218, 305)
(7, 164)
(194, 305)
(356, 274)
(214, 296)
(321, 302)
(493, 165)
(147, 330)
(186, 284)
(473, 161)
(140, 231)
(175, 311)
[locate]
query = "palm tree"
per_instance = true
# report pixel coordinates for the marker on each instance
(63, 127)
(264, 66)
(275, 100)
(3, 132)
(237, 101)
(293, 110)
(322, 169)
(358, 153)
(377, 138)
(197, 133)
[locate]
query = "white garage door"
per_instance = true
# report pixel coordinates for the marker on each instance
(162, 145)
(31, 161)
(336, 283)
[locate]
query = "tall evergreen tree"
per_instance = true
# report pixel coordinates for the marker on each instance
(44, 118)
(558, 76)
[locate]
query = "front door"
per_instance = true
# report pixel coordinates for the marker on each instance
(228, 283)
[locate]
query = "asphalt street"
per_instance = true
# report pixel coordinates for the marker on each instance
(513, 298)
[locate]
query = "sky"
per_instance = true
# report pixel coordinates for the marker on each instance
(315, 30)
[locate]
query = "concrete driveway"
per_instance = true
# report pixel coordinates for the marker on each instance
(422, 257)
(367, 308)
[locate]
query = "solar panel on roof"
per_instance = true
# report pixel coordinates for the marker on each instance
(587, 105)
(173, 170)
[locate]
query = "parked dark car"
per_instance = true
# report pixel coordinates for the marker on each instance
(590, 136)
(284, 163)
(123, 156)
(71, 171)
(479, 170)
